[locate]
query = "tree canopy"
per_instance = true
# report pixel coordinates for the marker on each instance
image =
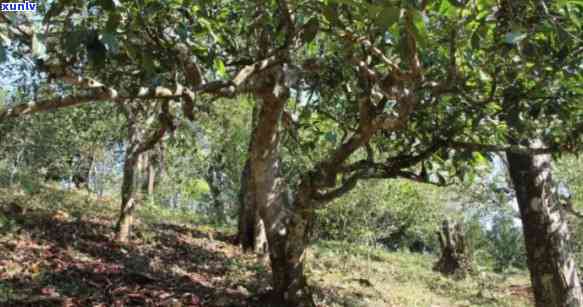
(344, 90)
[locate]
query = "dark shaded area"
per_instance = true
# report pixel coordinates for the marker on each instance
(76, 263)
(399, 240)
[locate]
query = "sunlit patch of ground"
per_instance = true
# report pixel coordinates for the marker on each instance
(350, 275)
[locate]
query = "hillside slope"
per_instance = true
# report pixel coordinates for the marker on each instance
(56, 249)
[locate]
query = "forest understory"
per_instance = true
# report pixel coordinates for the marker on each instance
(58, 250)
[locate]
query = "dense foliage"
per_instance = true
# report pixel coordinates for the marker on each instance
(286, 115)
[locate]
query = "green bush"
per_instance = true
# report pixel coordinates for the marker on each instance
(397, 214)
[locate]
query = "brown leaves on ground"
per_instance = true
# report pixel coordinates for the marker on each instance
(52, 259)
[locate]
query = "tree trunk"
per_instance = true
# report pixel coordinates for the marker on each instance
(82, 169)
(161, 172)
(251, 229)
(213, 179)
(143, 165)
(454, 259)
(151, 179)
(552, 269)
(139, 143)
(155, 169)
(251, 234)
(285, 225)
(546, 233)
(128, 198)
(128, 187)
(288, 239)
(147, 173)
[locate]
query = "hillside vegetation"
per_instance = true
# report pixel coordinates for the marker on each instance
(57, 249)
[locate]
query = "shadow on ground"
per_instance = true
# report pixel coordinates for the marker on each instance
(55, 260)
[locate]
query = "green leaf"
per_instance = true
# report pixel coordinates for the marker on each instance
(475, 40)
(420, 29)
(348, 2)
(565, 2)
(331, 13)
(447, 9)
(220, 67)
(478, 35)
(479, 158)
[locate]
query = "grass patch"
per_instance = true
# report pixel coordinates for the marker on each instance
(376, 277)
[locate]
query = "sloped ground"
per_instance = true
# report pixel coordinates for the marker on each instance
(56, 249)
(361, 276)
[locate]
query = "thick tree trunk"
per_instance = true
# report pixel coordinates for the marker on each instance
(288, 239)
(128, 198)
(552, 269)
(285, 224)
(139, 143)
(129, 182)
(546, 233)
(454, 259)
(251, 236)
(251, 229)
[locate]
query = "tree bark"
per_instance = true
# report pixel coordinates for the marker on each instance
(251, 235)
(138, 145)
(128, 198)
(454, 259)
(251, 229)
(128, 187)
(287, 234)
(552, 268)
(550, 261)
(262, 186)
(151, 179)
(82, 169)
